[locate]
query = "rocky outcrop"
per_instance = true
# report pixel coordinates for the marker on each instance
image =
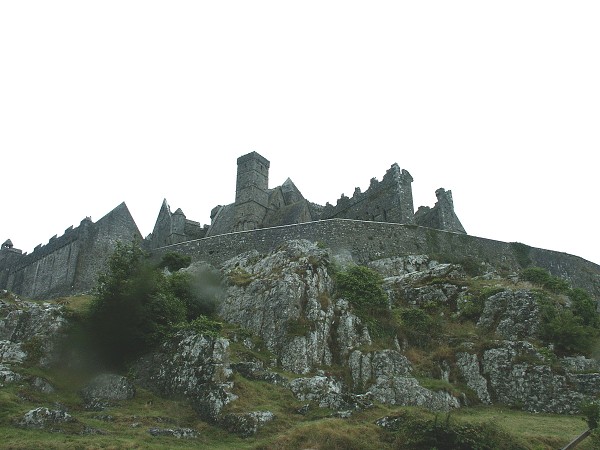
(44, 418)
(514, 373)
(191, 366)
(416, 288)
(246, 424)
(470, 370)
(37, 326)
(512, 315)
(284, 298)
(106, 389)
(7, 375)
(179, 433)
(387, 376)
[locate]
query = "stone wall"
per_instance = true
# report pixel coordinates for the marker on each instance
(366, 241)
(389, 200)
(70, 263)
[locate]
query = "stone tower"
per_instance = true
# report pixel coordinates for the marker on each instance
(251, 196)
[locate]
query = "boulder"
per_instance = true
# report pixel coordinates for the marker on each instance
(105, 389)
(179, 433)
(246, 424)
(45, 418)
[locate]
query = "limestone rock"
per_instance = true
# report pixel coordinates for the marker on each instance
(513, 314)
(386, 375)
(580, 364)
(44, 418)
(179, 433)
(518, 375)
(7, 375)
(40, 324)
(326, 392)
(105, 389)
(191, 366)
(402, 265)
(42, 385)
(283, 297)
(469, 368)
(246, 424)
(411, 288)
(11, 352)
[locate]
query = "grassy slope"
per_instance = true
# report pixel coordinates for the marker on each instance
(131, 420)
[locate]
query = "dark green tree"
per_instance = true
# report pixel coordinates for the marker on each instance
(134, 307)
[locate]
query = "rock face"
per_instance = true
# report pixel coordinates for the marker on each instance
(246, 424)
(511, 314)
(191, 366)
(45, 418)
(284, 298)
(106, 389)
(294, 320)
(38, 326)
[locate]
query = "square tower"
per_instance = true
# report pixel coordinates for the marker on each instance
(251, 196)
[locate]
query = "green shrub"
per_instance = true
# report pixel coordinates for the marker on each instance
(361, 286)
(174, 261)
(417, 432)
(199, 292)
(565, 330)
(591, 414)
(201, 325)
(133, 309)
(584, 306)
(542, 277)
(521, 252)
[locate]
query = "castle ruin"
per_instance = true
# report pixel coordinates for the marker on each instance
(371, 224)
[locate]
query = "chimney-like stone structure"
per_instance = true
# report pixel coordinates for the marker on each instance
(251, 196)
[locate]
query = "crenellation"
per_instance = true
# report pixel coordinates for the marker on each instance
(68, 263)
(377, 222)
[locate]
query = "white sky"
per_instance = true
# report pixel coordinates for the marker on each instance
(135, 101)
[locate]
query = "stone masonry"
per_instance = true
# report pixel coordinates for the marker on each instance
(379, 222)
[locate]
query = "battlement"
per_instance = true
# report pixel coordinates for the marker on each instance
(71, 262)
(389, 200)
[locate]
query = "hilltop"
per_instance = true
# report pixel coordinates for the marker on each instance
(310, 347)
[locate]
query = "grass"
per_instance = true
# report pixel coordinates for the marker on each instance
(131, 420)
(541, 430)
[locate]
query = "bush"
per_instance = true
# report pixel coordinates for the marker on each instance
(174, 261)
(542, 277)
(361, 286)
(566, 330)
(134, 307)
(199, 292)
(584, 306)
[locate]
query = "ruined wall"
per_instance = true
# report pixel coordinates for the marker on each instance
(9, 258)
(171, 228)
(442, 215)
(389, 200)
(49, 268)
(70, 263)
(366, 241)
(98, 243)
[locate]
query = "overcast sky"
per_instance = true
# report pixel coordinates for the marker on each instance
(136, 101)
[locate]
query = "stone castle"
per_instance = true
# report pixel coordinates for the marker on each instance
(379, 222)
(256, 206)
